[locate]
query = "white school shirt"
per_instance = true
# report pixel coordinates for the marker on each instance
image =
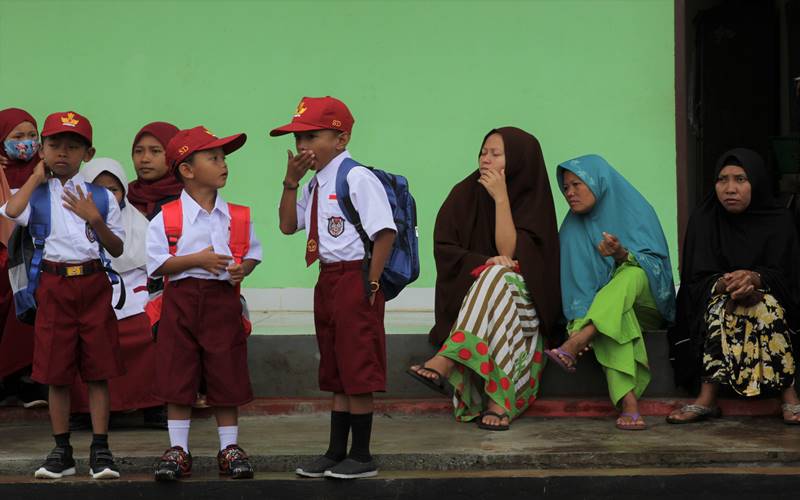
(201, 230)
(69, 241)
(338, 239)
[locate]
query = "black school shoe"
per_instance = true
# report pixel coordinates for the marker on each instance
(352, 469)
(101, 464)
(317, 467)
(59, 463)
(174, 464)
(234, 462)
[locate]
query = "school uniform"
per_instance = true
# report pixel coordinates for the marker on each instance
(350, 332)
(200, 332)
(75, 329)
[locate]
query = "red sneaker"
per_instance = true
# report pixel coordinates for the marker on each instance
(174, 464)
(234, 462)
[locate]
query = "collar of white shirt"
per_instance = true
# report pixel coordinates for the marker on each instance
(328, 172)
(72, 183)
(192, 209)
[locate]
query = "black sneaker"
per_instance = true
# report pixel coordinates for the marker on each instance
(234, 462)
(101, 464)
(59, 463)
(32, 394)
(317, 467)
(174, 464)
(352, 469)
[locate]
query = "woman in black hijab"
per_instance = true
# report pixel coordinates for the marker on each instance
(497, 282)
(739, 293)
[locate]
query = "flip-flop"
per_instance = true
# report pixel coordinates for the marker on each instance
(701, 413)
(632, 426)
(437, 385)
(553, 354)
(794, 409)
(490, 427)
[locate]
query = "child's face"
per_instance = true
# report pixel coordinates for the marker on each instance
(22, 132)
(63, 154)
(207, 169)
(149, 159)
(111, 183)
(326, 144)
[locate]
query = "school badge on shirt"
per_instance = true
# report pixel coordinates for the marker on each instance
(90, 235)
(335, 226)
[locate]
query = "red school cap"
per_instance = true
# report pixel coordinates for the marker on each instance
(318, 113)
(67, 121)
(189, 141)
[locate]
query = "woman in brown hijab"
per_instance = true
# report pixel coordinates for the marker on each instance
(498, 225)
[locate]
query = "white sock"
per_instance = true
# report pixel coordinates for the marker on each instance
(179, 433)
(228, 435)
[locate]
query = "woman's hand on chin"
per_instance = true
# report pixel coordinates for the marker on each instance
(495, 184)
(502, 260)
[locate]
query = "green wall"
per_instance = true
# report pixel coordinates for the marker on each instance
(424, 80)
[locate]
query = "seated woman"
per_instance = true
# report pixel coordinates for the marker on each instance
(739, 294)
(615, 278)
(497, 224)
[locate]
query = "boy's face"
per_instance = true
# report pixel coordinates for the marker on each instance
(111, 183)
(207, 169)
(149, 159)
(325, 144)
(63, 153)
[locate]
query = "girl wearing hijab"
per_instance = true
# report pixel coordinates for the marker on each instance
(615, 278)
(134, 389)
(497, 225)
(18, 156)
(739, 294)
(155, 184)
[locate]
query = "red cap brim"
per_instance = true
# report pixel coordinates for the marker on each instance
(228, 144)
(295, 127)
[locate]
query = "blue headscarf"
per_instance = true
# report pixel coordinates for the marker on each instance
(620, 210)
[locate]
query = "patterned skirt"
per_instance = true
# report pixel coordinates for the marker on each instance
(496, 346)
(748, 348)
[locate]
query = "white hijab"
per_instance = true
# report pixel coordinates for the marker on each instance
(134, 253)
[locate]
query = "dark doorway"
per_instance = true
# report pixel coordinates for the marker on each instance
(735, 65)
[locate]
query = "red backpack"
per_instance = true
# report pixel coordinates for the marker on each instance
(239, 244)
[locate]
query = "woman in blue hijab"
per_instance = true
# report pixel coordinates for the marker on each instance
(615, 277)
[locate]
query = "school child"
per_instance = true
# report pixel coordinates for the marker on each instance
(155, 184)
(201, 331)
(134, 389)
(75, 328)
(19, 153)
(348, 306)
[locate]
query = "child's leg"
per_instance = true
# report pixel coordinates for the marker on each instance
(227, 425)
(59, 408)
(361, 407)
(99, 406)
(178, 422)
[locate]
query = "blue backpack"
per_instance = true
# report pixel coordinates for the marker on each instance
(26, 249)
(402, 266)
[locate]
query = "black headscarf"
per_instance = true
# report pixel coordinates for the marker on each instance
(761, 239)
(464, 234)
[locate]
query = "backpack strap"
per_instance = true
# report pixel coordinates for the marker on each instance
(100, 199)
(239, 241)
(39, 229)
(173, 223)
(346, 204)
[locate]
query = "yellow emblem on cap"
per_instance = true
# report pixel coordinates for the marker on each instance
(301, 108)
(69, 120)
(336, 123)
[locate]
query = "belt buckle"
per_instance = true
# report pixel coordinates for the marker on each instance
(73, 271)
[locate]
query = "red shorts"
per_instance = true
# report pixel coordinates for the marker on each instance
(75, 330)
(200, 335)
(134, 389)
(350, 333)
(16, 338)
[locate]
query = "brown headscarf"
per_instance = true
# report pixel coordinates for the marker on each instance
(464, 235)
(17, 172)
(148, 196)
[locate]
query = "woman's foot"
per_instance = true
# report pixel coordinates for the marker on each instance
(574, 347)
(704, 407)
(791, 406)
(435, 367)
(490, 418)
(629, 418)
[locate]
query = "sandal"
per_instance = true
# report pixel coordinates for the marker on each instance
(794, 409)
(701, 413)
(633, 426)
(437, 384)
(557, 353)
(490, 427)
